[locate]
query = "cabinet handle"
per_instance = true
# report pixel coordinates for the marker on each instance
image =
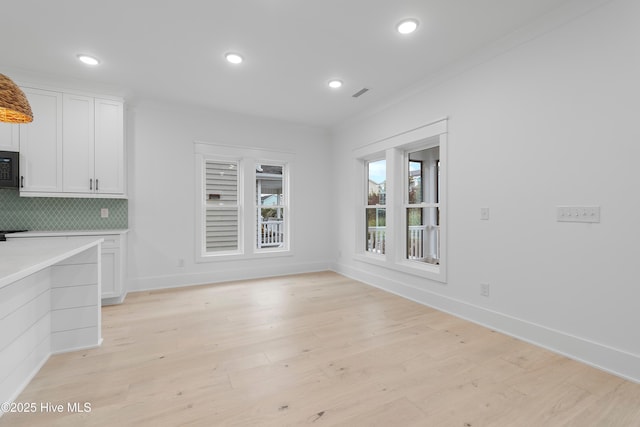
(22, 181)
(90, 184)
(97, 184)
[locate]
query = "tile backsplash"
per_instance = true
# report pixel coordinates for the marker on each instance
(52, 213)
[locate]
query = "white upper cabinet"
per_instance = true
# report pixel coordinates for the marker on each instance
(41, 144)
(109, 147)
(9, 137)
(77, 144)
(74, 147)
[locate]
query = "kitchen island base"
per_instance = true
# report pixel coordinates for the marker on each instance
(49, 303)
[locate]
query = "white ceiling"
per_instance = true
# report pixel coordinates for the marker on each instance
(174, 50)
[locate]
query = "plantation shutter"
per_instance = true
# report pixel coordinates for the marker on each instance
(221, 196)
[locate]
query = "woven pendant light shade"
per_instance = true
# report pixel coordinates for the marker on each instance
(14, 107)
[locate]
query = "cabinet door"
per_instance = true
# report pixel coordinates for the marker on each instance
(9, 137)
(109, 146)
(77, 144)
(110, 273)
(41, 143)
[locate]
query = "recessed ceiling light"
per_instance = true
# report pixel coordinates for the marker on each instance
(234, 58)
(335, 84)
(88, 59)
(407, 26)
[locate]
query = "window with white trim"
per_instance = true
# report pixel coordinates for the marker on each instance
(422, 205)
(375, 209)
(271, 207)
(405, 219)
(243, 205)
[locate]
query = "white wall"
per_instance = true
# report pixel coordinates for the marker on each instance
(161, 185)
(551, 122)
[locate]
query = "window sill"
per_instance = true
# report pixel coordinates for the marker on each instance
(427, 271)
(371, 258)
(242, 257)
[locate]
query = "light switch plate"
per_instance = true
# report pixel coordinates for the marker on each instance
(485, 290)
(578, 213)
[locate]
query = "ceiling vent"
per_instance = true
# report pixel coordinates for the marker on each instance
(360, 92)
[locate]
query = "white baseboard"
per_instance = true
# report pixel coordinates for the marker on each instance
(113, 300)
(78, 348)
(611, 360)
(219, 276)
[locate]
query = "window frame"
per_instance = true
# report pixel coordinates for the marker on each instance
(378, 206)
(285, 206)
(424, 204)
(201, 242)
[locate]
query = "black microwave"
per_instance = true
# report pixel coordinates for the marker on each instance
(9, 169)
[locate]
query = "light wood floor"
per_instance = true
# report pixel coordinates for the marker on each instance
(315, 349)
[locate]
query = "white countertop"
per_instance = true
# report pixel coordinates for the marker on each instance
(20, 258)
(44, 233)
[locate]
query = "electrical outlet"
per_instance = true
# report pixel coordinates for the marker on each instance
(104, 213)
(484, 214)
(484, 289)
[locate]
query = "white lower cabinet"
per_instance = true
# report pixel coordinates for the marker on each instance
(113, 251)
(113, 258)
(110, 271)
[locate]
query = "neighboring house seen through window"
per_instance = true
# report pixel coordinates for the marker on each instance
(222, 207)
